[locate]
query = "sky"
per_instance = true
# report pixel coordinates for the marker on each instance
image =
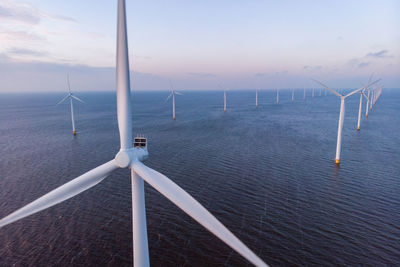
(199, 45)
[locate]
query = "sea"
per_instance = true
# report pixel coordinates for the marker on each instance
(266, 172)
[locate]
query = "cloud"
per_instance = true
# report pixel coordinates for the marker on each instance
(201, 74)
(27, 52)
(19, 36)
(26, 13)
(261, 74)
(19, 12)
(379, 54)
(312, 68)
(363, 64)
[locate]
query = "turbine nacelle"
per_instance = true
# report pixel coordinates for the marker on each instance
(126, 157)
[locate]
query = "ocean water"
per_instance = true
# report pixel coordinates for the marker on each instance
(267, 173)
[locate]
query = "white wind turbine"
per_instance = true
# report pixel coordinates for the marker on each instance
(277, 96)
(173, 93)
(341, 114)
(224, 97)
(292, 95)
(362, 94)
(71, 96)
(304, 94)
(224, 100)
(367, 106)
(131, 157)
(256, 97)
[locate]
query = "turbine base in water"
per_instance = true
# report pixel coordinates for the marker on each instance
(337, 161)
(358, 128)
(74, 132)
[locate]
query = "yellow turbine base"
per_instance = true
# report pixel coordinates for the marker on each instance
(74, 132)
(337, 161)
(366, 115)
(174, 118)
(358, 128)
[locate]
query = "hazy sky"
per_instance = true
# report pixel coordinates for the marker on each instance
(239, 44)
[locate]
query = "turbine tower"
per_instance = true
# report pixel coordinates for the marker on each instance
(173, 93)
(367, 107)
(362, 94)
(131, 157)
(71, 96)
(277, 96)
(304, 94)
(341, 114)
(256, 97)
(292, 95)
(224, 100)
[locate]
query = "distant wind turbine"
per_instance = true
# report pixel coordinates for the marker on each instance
(292, 95)
(341, 114)
(173, 93)
(256, 97)
(312, 92)
(367, 106)
(362, 94)
(71, 96)
(130, 156)
(277, 96)
(304, 94)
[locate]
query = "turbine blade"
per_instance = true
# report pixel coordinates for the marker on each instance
(77, 98)
(333, 91)
(168, 97)
(362, 88)
(62, 100)
(194, 209)
(123, 83)
(178, 93)
(64, 192)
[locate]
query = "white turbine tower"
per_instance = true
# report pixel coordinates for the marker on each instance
(277, 96)
(173, 93)
(256, 97)
(131, 157)
(362, 94)
(224, 100)
(341, 114)
(71, 96)
(312, 92)
(292, 95)
(304, 94)
(367, 106)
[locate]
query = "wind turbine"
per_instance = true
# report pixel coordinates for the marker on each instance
(362, 94)
(312, 92)
(292, 95)
(277, 96)
(71, 96)
(256, 97)
(173, 93)
(341, 114)
(131, 157)
(367, 107)
(304, 94)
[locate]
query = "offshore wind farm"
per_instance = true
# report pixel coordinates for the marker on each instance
(274, 168)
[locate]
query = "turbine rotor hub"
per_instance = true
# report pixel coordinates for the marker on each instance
(123, 158)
